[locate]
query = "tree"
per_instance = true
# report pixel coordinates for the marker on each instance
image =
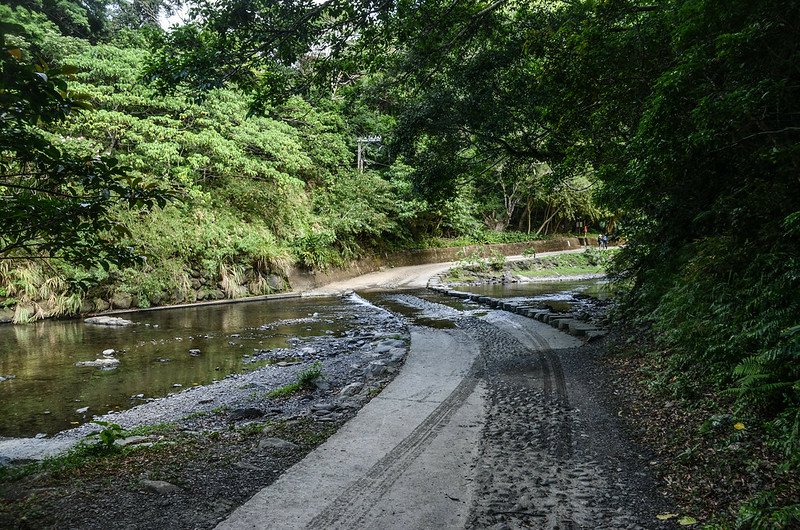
(86, 19)
(55, 203)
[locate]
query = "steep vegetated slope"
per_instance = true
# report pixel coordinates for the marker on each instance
(250, 194)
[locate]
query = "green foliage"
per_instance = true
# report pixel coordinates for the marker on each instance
(590, 261)
(473, 261)
(305, 380)
(497, 261)
(56, 203)
(598, 258)
(307, 376)
(109, 434)
(768, 511)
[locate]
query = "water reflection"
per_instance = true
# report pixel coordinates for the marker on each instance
(48, 388)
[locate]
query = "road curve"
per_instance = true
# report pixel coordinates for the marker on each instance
(409, 277)
(405, 461)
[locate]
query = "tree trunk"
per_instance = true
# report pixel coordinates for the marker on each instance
(547, 221)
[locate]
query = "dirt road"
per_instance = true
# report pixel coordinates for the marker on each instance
(495, 423)
(414, 276)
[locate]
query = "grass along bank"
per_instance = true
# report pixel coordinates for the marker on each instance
(493, 267)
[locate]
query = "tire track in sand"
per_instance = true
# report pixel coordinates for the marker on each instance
(528, 475)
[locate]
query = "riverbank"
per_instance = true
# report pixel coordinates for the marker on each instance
(215, 444)
(286, 281)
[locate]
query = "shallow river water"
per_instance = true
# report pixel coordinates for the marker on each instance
(49, 393)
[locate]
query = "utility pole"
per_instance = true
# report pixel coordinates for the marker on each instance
(363, 141)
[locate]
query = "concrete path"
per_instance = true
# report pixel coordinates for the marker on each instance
(405, 461)
(409, 459)
(497, 423)
(411, 277)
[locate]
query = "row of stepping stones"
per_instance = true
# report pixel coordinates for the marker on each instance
(564, 322)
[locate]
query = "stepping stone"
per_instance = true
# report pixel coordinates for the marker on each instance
(580, 329)
(554, 318)
(595, 335)
(563, 324)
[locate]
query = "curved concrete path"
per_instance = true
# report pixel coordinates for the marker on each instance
(403, 462)
(410, 277)
(408, 459)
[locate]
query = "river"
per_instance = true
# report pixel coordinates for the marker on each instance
(48, 393)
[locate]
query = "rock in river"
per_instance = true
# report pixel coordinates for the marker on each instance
(108, 321)
(106, 364)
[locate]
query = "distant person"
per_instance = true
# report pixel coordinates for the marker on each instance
(600, 240)
(604, 241)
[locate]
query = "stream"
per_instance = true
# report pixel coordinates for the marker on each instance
(44, 392)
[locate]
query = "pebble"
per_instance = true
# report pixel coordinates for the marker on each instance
(159, 486)
(276, 443)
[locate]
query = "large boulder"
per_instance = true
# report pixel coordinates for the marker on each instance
(6, 315)
(215, 294)
(101, 305)
(121, 301)
(275, 282)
